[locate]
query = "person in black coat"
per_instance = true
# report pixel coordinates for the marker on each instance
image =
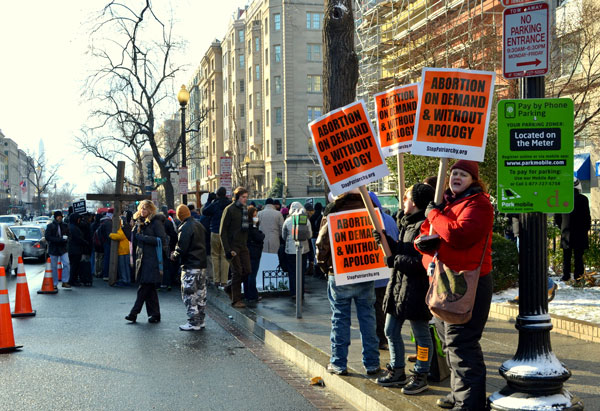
(77, 246)
(574, 228)
(151, 246)
(255, 242)
(57, 235)
(405, 296)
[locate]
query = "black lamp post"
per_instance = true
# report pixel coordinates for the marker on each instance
(183, 97)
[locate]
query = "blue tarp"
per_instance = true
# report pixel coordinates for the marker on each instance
(581, 166)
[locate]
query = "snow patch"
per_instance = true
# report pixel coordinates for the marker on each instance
(543, 366)
(523, 401)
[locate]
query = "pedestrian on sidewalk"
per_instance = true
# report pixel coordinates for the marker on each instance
(150, 243)
(271, 223)
(57, 235)
(290, 247)
(234, 237)
(405, 296)
(255, 247)
(190, 251)
(463, 223)
(341, 297)
(123, 268)
(214, 209)
(574, 228)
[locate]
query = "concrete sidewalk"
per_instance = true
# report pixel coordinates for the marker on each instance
(306, 342)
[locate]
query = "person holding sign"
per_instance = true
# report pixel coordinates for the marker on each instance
(405, 296)
(341, 297)
(463, 226)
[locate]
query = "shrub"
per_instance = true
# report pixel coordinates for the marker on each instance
(505, 262)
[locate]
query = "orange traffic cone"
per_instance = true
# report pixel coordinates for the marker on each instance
(59, 269)
(48, 284)
(22, 300)
(7, 339)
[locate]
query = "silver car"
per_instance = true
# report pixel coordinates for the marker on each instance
(10, 219)
(32, 239)
(10, 249)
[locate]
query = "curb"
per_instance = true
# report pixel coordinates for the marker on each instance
(355, 388)
(583, 330)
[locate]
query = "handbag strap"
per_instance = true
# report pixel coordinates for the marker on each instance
(484, 249)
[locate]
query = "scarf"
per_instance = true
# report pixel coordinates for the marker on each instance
(245, 221)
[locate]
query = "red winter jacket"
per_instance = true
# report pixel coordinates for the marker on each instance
(463, 225)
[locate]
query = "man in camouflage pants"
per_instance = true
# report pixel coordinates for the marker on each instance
(191, 251)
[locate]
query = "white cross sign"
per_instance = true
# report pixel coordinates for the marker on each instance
(525, 42)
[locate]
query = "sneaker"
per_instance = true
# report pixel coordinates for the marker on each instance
(66, 285)
(373, 371)
(131, 317)
(154, 319)
(411, 358)
(239, 304)
(394, 377)
(445, 403)
(191, 327)
(552, 292)
(384, 346)
(417, 383)
(332, 369)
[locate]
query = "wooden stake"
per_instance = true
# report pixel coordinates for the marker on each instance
(439, 188)
(401, 182)
(374, 220)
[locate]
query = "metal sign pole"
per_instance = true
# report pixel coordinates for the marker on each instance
(298, 279)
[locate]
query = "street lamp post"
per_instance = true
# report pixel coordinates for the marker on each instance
(183, 97)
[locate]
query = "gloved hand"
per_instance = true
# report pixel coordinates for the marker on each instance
(389, 261)
(211, 197)
(428, 243)
(433, 206)
(377, 236)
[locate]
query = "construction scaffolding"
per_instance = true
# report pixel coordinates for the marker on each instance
(397, 38)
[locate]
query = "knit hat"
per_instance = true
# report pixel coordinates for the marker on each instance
(422, 194)
(470, 167)
(221, 192)
(171, 211)
(285, 211)
(183, 212)
(58, 213)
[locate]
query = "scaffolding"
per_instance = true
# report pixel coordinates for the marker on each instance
(397, 38)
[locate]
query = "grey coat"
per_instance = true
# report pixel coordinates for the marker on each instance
(145, 241)
(270, 222)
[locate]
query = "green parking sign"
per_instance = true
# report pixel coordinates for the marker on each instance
(535, 155)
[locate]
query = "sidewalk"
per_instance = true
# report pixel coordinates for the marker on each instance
(305, 342)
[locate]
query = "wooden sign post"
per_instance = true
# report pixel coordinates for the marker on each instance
(117, 198)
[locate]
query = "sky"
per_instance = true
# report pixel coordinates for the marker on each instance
(43, 67)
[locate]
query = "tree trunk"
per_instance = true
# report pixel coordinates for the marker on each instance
(169, 192)
(340, 63)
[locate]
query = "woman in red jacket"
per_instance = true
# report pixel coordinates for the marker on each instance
(463, 222)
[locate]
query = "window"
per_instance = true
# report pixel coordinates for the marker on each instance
(266, 25)
(257, 69)
(257, 44)
(249, 74)
(277, 52)
(277, 84)
(250, 102)
(315, 178)
(243, 134)
(313, 21)
(249, 46)
(314, 112)
(314, 83)
(257, 128)
(258, 99)
(277, 115)
(242, 111)
(268, 182)
(214, 147)
(242, 86)
(277, 21)
(313, 52)
(241, 36)
(242, 62)
(213, 127)
(266, 87)
(267, 119)
(279, 148)
(251, 128)
(267, 56)
(280, 175)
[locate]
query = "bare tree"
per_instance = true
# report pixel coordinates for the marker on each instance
(41, 176)
(133, 85)
(61, 197)
(575, 59)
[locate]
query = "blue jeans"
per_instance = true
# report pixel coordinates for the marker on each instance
(420, 329)
(124, 269)
(66, 270)
(340, 300)
(106, 259)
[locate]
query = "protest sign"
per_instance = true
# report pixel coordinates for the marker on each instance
(347, 149)
(79, 207)
(453, 113)
(396, 109)
(355, 254)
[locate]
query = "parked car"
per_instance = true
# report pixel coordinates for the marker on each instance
(10, 219)
(10, 249)
(32, 239)
(42, 220)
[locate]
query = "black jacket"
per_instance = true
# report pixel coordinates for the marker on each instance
(56, 244)
(214, 210)
(145, 242)
(191, 244)
(77, 243)
(574, 227)
(256, 238)
(408, 285)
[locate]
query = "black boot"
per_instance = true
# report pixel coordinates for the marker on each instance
(131, 317)
(417, 383)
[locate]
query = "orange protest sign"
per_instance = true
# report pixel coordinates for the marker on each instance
(347, 149)
(356, 255)
(453, 113)
(396, 109)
